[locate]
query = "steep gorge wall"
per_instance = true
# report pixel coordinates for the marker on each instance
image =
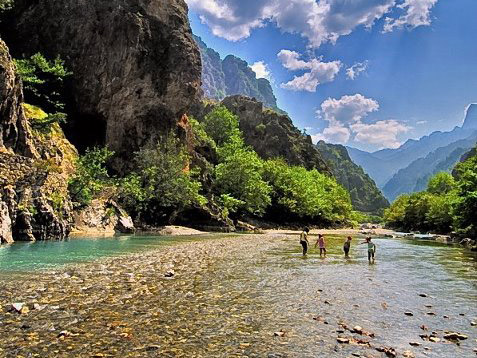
(136, 68)
(33, 169)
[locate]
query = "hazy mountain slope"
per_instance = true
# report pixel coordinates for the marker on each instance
(379, 170)
(415, 176)
(232, 76)
(384, 164)
(365, 196)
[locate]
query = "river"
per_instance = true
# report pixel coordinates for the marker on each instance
(239, 296)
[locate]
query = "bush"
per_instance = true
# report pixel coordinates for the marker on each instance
(240, 176)
(307, 193)
(91, 176)
(161, 186)
(221, 125)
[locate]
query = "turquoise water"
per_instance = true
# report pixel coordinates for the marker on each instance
(27, 256)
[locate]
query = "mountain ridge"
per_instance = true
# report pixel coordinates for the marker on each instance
(384, 165)
(232, 76)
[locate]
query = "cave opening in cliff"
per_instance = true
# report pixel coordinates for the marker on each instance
(85, 131)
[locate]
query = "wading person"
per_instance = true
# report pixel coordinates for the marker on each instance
(321, 242)
(304, 240)
(347, 246)
(371, 249)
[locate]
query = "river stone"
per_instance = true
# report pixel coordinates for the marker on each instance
(454, 336)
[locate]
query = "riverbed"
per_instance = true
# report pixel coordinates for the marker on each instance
(246, 296)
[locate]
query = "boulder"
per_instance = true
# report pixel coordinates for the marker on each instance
(102, 216)
(136, 68)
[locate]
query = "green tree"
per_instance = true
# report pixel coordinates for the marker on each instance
(221, 125)
(240, 176)
(91, 176)
(441, 184)
(43, 84)
(162, 185)
(307, 194)
(466, 196)
(439, 215)
(394, 216)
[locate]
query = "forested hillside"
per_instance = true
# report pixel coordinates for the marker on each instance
(365, 196)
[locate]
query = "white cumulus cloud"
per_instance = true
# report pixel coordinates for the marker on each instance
(418, 13)
(261, 70)
(345, 122)
(348, 109)
(319, 21)
(355, 70)
(318, 72)
(383, 134)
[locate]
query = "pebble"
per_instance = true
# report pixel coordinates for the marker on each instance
(169, 273)
(473, 324)
(409, 313)
(408, 354)
(454, 336)
(343, 340)
(415, 344)
(423, 295)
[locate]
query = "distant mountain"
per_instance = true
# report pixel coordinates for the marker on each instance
(384, 164)
(416, 175)
(232, 76)
(365, 195)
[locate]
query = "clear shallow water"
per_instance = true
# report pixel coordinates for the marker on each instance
(27, 256)
(234, 303)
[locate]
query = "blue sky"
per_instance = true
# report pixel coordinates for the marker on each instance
(419, 61)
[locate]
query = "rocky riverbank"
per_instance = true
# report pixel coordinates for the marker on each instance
(242, 296)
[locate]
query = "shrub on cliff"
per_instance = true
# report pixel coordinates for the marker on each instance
(43, 86)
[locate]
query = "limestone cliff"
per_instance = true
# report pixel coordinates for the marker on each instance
(136, 68)
(232, 76)
(34, 202)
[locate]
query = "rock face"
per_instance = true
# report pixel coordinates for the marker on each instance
(34, 203)
(136, 68)
(232, 76)
(365, 195)
(14, 134)
(273, 135)
(103, 217)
